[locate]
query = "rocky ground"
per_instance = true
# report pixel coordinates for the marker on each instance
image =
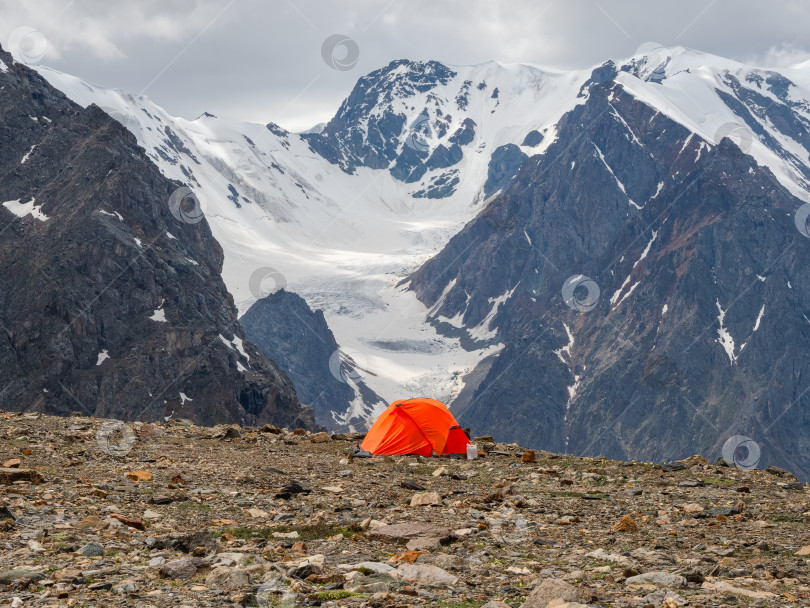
(93, 513)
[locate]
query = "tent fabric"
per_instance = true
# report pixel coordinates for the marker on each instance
(416, 426)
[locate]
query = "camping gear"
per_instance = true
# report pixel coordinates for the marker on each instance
(416, 426)
(472, 451)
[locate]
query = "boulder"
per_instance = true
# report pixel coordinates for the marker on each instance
(550, 589)
(425, 574)
(662, 579)
(402, 533)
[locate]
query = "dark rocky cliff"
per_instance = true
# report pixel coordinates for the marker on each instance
(325, 376)
(110, 305)
(688, 305)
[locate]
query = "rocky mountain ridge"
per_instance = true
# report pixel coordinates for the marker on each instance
(112, 299)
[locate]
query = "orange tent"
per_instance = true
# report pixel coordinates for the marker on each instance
(416, 426)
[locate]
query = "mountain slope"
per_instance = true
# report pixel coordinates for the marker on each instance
(648, 283)
(110, 304)
(298, 339)
(308, 212)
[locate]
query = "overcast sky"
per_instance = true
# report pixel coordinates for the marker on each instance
(262, 60)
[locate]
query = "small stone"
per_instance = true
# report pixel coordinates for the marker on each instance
(692, 507)
(407, 556)
(804, 550)
(36, 547)
(550, 589)
(529, 456)
(183, 568)
(258, 513)
(91, 522)
(625, 524)
(92, 550)
(223, 577)
(423, 499)
(151, 515)
(139, 476)
(333, 489)
(407, 531)
(426, 574)
(13, 463)
(320, 438)
(293, 534)
(132, 522)
(441, 471)
(662, 579)
(423, 544)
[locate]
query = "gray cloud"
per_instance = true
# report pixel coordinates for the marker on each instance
(261, 61)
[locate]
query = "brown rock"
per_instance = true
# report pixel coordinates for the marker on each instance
(13, 463)
(426, 499)
(320, 438)
(8, 476)
(697, 459)
(625, 524)
(404, 532)
(132, 522)
(91, 522)
(407, 556)
(529, 456)
(139, 476)
(804, 550)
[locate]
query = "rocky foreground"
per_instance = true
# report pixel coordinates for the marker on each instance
(94, 513)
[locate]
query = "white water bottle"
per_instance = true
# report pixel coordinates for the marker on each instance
(472, 451)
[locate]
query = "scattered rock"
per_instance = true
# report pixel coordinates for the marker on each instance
(139, 476)
(625, 524)
(425, 574)
(404, 532)
(550, 589)
(13, 463)
(320, 438)
(7, 577)
(727, 588)
(291, 489)
(662, 579)
(10, 475)
(423, 544)
(529, 456)
(132, 522)
(223, 577)
(92, 550)
(183, 568)
(423, 499)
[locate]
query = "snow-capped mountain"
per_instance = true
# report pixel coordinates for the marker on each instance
(318, 214)
(516, 176)
(647, 273)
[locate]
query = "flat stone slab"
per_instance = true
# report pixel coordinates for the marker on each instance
(9, 475)
(401, 533)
